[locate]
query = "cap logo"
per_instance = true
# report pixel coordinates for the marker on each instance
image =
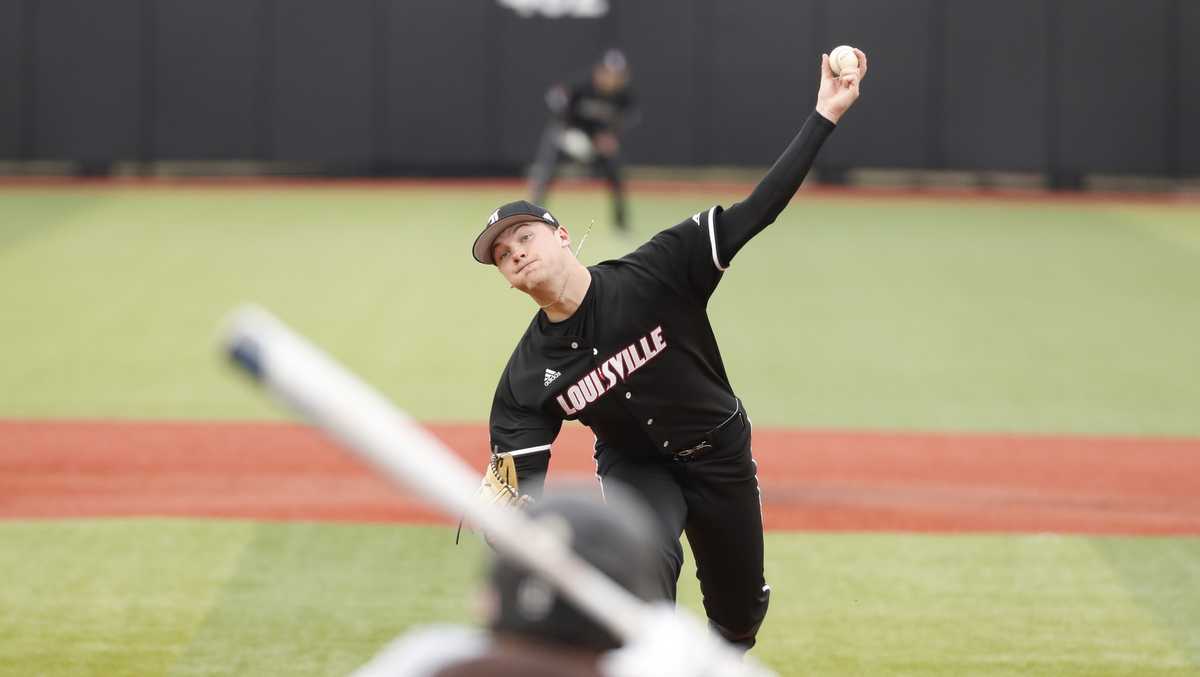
(494, 217)
(549, 218)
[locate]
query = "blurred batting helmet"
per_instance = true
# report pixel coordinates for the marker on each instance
(616, 536)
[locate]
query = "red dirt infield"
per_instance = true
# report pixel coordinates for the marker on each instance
(811, 480)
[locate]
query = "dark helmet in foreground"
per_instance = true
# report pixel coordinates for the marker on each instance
(615, 535)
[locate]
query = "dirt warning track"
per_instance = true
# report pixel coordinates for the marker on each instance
(811, 480)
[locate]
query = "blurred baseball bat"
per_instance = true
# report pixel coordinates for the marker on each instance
(306, 380)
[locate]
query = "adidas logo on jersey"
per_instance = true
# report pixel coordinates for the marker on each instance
(550, 376)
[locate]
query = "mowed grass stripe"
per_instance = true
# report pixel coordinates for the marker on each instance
(1163, 576)
(1180, 231)
(109, 597)
(984, 318)
(874, 314)
(311, 599)
(120, 318)
(301, 599)
(982, 605)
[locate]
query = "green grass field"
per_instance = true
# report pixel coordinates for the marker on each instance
(140, 597)
(855, 314)
(871, 314)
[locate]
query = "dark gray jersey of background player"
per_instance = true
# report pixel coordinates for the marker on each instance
(638, 362)
(584, 107)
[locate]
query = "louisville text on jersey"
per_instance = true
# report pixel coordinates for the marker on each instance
(612, 371)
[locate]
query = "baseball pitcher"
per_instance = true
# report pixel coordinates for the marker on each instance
(626, 348)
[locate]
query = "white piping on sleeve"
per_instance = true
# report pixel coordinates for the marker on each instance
(596, 448)
(712, 239)
(528, 450)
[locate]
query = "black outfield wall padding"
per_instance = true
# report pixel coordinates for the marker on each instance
(1064, 87)
(205, 90)
(1187, 87)
(87, 80)
(12, 100)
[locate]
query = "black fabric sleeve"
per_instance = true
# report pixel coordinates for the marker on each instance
(524, 432)
(683, 257)
(737, 224)
(571, 113)
(531, 473)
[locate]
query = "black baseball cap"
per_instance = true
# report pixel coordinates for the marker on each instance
(513, 212)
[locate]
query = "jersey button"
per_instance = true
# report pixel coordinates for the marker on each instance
(665, 444)
(574, 345)
(628, 395)
(649, 421)
(595, 352)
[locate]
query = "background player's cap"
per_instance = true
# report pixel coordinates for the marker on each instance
(505, 216)
(614, 59)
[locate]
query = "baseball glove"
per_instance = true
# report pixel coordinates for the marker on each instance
(499, 485)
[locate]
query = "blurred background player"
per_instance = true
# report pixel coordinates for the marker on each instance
(586, 120)
(531, 630)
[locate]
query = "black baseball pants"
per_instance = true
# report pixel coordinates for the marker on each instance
(713, 497)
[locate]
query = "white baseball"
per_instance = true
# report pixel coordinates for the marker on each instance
(843, 59)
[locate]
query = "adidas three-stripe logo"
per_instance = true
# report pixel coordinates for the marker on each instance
(550, 376)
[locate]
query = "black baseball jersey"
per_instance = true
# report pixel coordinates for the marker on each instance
(637, 362)
(585, 107)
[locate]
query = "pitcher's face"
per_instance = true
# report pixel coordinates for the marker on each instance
(531, 254)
